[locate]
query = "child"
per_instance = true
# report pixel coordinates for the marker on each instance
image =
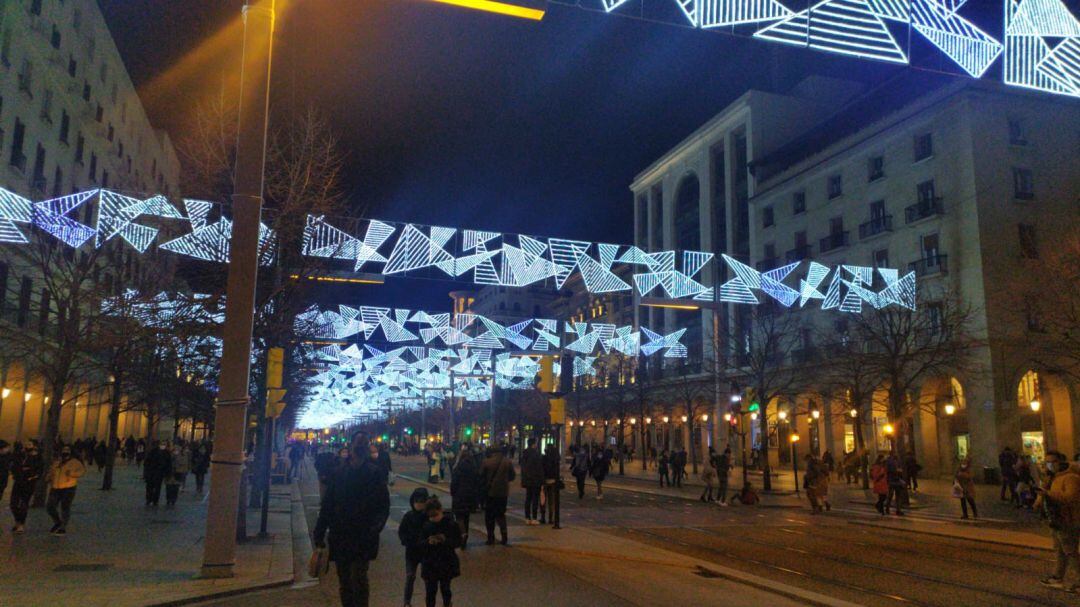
(409, 532)
(439, 538)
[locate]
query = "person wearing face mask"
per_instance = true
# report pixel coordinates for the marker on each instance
(157, 467)
(63, 478)
(1059, 500)
(353, 512)
(25, 474)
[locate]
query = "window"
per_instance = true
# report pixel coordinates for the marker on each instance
(798, 203)
(935, 317)
(104, 179)
(37, 181)
(876, 168)
(924, 146)
(80, 144)
(925, 192)
(26, 77)
(877, 210)
(76, 20)
(930, 246)
(24, 301)
(5, 48)
(99, 115)
(58, 182)
(836, 225)
(767, 218)
(3, 285)
(881, 258)
(35, 7)
(65, 126)
(111, 133)
(104, 71)
(93, 167)
(1023, 183)
(1016, 132)
(800, 240)
(1029, 247)
(73, 66)
(43, 311)
(46, 106)
(836, 186)
(54, 39)
(769, 253)
(18, 159)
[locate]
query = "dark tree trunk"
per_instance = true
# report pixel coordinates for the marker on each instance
(114, 433)
(48, 446)
(763, 453)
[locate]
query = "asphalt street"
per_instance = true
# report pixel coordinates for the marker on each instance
(839, 555)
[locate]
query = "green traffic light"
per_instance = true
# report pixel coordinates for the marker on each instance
(468, 431)
(754, 407)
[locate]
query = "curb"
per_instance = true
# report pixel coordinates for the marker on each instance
(224, 594)
(1013, 544)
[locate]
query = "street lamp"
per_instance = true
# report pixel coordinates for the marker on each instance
(1035, 405)
(782, 414)
(794, 438)
(684, 419)
(727, 417)
(815, 413)
(854, 413)
(950, 409)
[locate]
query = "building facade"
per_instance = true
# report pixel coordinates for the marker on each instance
(961, 182)
(70, 120)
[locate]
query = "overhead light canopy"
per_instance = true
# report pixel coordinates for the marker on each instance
(524, 9)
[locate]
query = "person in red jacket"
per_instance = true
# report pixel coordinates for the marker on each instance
(879, 476)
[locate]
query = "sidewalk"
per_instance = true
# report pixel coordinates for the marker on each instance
(118, 552)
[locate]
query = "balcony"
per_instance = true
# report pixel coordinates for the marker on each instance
(929, 265)
(875, 226)
(833, 241)
(798, 253)
(923, 209)
(765, 265)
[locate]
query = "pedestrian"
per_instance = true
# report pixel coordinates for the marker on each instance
(26, 472)
(353, 512)
(200, 464)
(5, 466)
(433, 465)
(129, 449)
(552, 487)
(497, 472)
(723, 467)
(746, 496)
(662, 468)
(410, 533)
(296, 458)
(679, 458)
(174, 479)
(601, 465)
(1025, 484)
(440, 565)
(464, 491)
(880, 478)
(63, 479)
(101, 455)
(708, 476)
(140, 452)
(828, 462)
(964, 488)
(158, 465)
(810, 479)
(383, 459)
(894, 473)
(850, 466)
(1007, 463)
(821, 485)
(911, 471)
(579, 467)
(1060, 503)
(532, 479)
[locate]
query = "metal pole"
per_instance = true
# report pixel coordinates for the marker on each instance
(795, 468)
(267, 471)
(226, 468)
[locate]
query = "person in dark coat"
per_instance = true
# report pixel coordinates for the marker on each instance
(496, 473)
(409, 532)
(157, 466)
(532, 479)
(552, 481)
(440, 563)
(353, 512)
(464, 491)
(894, 474)
(601, 464)
(579, 467)
(101, 455)
(26, 472)
(200, 464)
(5, 465)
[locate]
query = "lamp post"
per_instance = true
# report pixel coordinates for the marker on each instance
(794, 438)
(226, 467)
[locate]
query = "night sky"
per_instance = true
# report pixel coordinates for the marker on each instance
(459, 118)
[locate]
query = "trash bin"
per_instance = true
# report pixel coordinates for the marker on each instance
(990, 475)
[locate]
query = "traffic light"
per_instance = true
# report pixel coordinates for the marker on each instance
(468, 430)
(754, 407)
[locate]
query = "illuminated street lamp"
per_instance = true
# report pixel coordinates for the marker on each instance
(666, 419)
(704, 417)
(1035, 405)
(782, 414)
(815, 413)
(854, 413)
(684, 418)
(648, 420)
(727, 417)
(794, 438)
(950, 409)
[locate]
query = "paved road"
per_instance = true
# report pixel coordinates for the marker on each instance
(844, 555)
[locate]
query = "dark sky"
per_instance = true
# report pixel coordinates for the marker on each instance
(465, 119)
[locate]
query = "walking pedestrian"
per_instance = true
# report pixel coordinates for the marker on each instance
(497, 472)
(821, 485)
(532, 479)
(140, 452)
(410, 533)
(828, 462)
(158, 465)
(200, 464)
(464, 491)
(5, 466)
(810, 479)
(723, 467)
(708, 476)
(434, 464)
(601, 464)
(679, 460)
(552, 487)
(440, 563)
(911, 471)
(63, 479)
(662, 468)
(353, 512)
(26, 472)
(880, 478)
(579, 467)
(1007, 464)
(101, 455)
(897, 488)
(964, 488)
(1060, 502)
(174, 479)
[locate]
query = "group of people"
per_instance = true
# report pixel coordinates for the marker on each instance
(169, 465)
(26, 467)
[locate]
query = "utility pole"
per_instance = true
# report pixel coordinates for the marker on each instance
(230, 418)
